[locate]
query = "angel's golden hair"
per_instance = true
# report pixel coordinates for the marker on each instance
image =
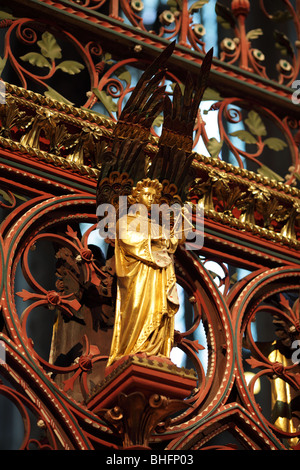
(145, 183)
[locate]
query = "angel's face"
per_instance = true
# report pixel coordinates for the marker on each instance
(147, 197)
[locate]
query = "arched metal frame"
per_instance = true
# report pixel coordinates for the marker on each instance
(48, 158)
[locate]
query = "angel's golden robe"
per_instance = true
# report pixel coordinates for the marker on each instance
(146, 290)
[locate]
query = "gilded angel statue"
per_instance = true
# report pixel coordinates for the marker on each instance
(146, 295)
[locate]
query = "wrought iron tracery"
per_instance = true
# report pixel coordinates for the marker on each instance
(108, 80)
(245, 276)
(180, 19)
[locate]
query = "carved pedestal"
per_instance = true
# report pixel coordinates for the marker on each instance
(139, 394)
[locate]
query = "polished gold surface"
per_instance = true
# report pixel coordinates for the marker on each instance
(146, 284)
(281, 398)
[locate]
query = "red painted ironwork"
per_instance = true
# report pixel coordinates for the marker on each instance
(48, 161)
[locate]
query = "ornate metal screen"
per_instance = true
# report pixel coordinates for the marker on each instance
(67, 68)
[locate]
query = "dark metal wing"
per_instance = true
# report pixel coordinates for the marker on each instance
(132, 131)
(174, 157)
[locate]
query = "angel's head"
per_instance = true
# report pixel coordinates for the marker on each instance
(146, 192)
